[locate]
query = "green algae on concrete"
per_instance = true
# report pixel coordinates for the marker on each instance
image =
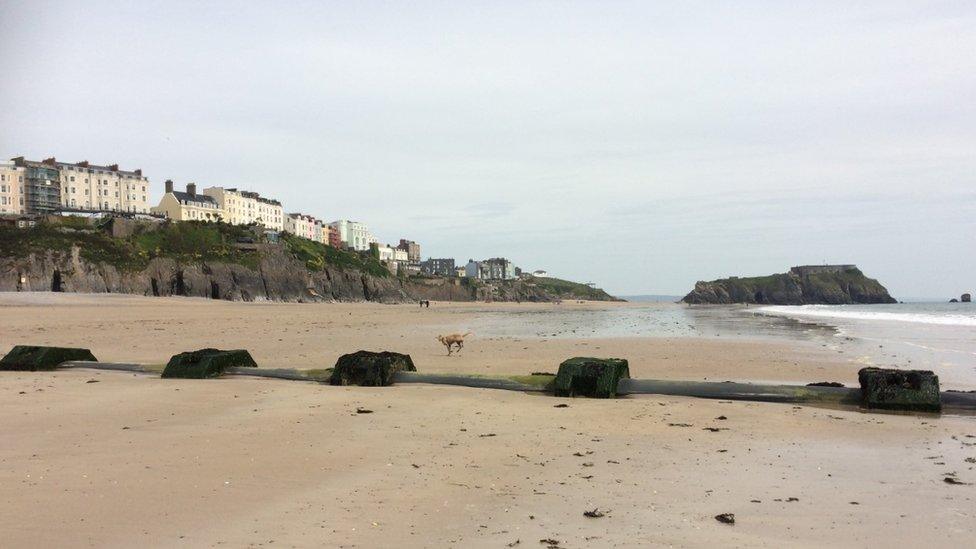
(370, 369)
(590, 377)
(206, 363)
(33, 358)
(890, 389)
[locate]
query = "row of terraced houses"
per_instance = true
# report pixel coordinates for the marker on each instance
(45, 187)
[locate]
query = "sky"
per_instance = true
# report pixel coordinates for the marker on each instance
(641, 146)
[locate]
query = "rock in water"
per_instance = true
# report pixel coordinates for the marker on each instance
(811, 284)
(966, 298)
(889, 389)
(590, 377)
(370, 369)
(206, 363)
(26, 357)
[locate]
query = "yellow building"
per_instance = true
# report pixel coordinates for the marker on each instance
(11, 189)
(188, 206)
(245, 207)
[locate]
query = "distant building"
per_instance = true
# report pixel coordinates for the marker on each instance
(540, 274)
(412, 249)
(354, 234)
(304, 226)
(12, 189)
(187, 206)
(245, 207)
(51, 185)
(804, 270)
(331, 236)
(439, 266)
(496, 268)
(42, 185)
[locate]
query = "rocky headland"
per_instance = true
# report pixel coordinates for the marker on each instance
(221, 261)
(812, 284)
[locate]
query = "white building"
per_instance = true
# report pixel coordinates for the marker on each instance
(354, 234)
(11, 189)
(86, 186)
(245, 207)
(305, 226)
(50, 186)
(496, 268)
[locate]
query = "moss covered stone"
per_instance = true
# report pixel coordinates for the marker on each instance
(590, 377)
(370, 369)
(26, 357)
(889, 389)
(207, 363)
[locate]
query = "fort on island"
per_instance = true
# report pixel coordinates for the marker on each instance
(804, 270)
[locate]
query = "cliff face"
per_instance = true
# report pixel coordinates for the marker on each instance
(278, 277)
(220, 261)
(800, 286)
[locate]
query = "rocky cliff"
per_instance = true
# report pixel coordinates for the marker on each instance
(210, 261)
(802, 285)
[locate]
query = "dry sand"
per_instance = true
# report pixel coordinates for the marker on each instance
(134, 460)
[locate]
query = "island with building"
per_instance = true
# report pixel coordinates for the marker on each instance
(81, 227)
(802, 285)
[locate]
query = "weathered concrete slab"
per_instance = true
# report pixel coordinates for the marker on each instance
(206, 363)
(33, 358)
(370, 369)
(890, 389)
(590, 377)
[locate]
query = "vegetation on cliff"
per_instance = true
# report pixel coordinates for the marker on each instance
(564, 289)
(225, 261)
(802, 285)
(185, 242)
(317, 256)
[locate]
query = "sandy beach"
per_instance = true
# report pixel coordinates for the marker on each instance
(133, 459)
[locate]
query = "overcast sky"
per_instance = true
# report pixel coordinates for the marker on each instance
(639, 147)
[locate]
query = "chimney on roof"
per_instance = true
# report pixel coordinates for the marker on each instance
(82, 164)
(49, 161)
(114, 167)
(169, 186)
(138, 171)
(191, 189)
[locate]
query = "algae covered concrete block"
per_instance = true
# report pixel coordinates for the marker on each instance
(207, 363)
(26, 357)
(590, 377)
(370, 369)
(890, 389)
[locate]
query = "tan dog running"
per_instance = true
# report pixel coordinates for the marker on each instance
(450, 340)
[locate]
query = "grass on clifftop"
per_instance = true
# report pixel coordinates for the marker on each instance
(185, 242)
(565, 289)
(317, 255)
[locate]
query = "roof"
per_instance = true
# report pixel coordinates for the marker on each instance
(187, 197)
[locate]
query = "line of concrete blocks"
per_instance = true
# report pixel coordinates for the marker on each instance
(888, 389)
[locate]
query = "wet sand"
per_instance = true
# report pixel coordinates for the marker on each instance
(134, 459)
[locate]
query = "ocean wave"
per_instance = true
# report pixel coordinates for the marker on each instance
(838, 311)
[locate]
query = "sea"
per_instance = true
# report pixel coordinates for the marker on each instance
(923, 335)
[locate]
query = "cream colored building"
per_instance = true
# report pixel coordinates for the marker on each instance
(187, 206)
(305, 226)
(86, 186)
(245, 207)
(11, 189)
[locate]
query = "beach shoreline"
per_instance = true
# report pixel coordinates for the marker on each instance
(94, 458)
